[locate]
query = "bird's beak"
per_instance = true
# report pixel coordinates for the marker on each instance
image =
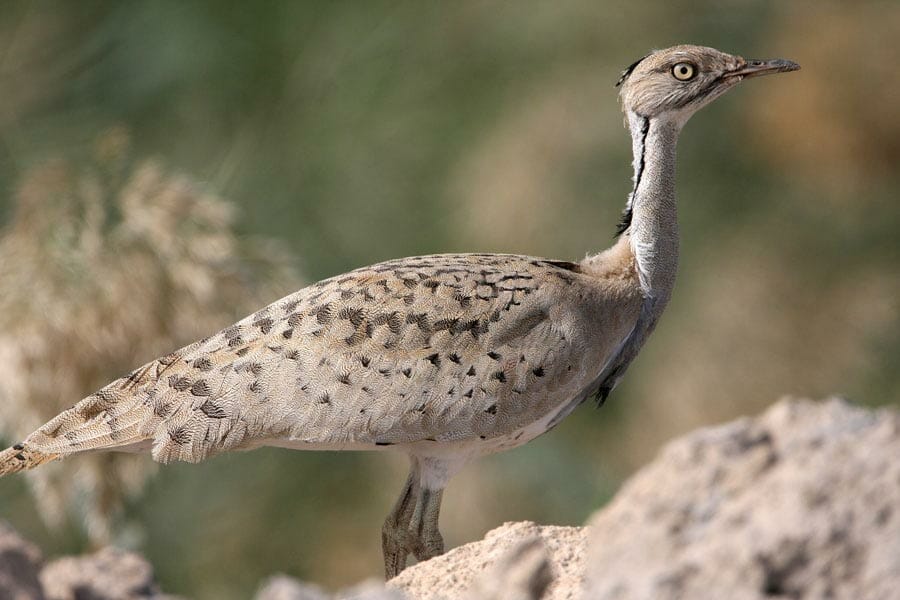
(755, 68)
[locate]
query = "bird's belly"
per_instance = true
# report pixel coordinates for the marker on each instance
(449, 444)
(525, 434)
(469, 448)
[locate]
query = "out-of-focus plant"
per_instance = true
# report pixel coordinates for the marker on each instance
(104, 265)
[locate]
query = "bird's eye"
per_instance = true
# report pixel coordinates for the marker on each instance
(684, 71)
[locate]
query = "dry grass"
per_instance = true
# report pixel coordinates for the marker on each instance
(104, 266)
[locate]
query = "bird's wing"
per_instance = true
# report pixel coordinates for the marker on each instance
(446, 347)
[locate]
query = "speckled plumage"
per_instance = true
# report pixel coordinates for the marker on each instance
(468, 349)
(444, 357)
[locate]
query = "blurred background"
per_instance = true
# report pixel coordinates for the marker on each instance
(166, 167)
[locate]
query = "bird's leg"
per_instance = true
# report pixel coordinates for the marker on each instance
(395, 533)
(412, 526)
(425, 537)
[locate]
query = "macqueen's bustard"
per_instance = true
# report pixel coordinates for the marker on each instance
(446, 357)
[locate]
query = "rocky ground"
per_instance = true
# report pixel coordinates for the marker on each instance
(800, 502)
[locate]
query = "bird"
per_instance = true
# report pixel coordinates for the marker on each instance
(446, 358)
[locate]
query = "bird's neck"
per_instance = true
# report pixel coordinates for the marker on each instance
(649, 231)
(650, 222)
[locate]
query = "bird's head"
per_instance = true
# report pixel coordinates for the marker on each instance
(676, 82)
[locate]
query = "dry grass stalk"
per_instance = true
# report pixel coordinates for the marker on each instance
(103, 267)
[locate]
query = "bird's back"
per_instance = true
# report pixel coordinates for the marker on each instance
(446, 348)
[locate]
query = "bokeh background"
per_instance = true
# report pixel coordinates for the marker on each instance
(167, 166)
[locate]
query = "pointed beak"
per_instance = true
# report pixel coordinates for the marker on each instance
(755, 68)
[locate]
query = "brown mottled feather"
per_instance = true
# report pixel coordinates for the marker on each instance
(13, 460)
(469, 348)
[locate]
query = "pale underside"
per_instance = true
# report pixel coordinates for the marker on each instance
(468, 353)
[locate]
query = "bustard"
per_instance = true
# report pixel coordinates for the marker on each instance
(446, 357)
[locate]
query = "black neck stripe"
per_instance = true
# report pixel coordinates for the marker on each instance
(625, 221)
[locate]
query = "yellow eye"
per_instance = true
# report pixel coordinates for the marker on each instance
(683, 71)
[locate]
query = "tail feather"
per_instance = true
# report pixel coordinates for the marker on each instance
(179, 418)
(18, 458)
(72, 432)
(113, 417)
(78, 430)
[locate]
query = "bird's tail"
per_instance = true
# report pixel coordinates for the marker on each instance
(18, 458)
(114, 417)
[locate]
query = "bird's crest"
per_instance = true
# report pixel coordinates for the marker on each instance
(629, 70)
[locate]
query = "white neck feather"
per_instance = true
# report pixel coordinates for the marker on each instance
(653, 232)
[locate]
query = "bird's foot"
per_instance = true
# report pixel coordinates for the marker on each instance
(399, 543)
(426, 546)
(396, 549)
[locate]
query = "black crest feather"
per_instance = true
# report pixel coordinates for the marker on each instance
(628, 71)
(624, 221)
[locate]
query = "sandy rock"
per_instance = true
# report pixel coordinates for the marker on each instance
(20, 563)
(802, 502)
(370, 590)
(283, 587)
(523, 573)
(110, 574)
(467, 571)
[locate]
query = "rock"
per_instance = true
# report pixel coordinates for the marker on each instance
(282, 587)
(519, 561)
(20, 563)
(523, 573)
(802, 502)
(370, 590)
(110, 574)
